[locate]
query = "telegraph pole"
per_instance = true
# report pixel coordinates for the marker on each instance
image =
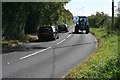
(112, 14)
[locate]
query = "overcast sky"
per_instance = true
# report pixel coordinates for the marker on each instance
(88, 7)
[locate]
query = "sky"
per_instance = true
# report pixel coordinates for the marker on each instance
(89, 7)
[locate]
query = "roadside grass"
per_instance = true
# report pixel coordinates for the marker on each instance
(12, 43)
(104, 63)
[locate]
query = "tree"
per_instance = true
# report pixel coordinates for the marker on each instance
(20, 18)
(98, 19)
(13, 20)
(117, 24)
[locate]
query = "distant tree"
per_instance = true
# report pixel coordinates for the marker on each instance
(98, 19)
(117, 24)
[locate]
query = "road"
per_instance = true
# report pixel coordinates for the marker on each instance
(52, 59)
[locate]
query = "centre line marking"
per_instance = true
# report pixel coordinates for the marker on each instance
(43, 49)
(61, 41)
(69, 36)
(35, 53)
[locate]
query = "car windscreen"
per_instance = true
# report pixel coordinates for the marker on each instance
(45, 29)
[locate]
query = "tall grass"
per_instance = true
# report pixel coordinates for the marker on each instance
(104, 63)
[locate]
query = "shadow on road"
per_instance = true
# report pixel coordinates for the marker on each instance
(77, 33)
(19, 48)
(86, 43)
(24, 48)
(42, 40)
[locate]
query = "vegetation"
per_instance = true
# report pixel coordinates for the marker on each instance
(102, 20)
(104, 63)
(117, 25)
(25, 39)
(98, 20)
(20, 18)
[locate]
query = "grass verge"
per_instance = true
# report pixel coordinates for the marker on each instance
(104, 63)
(12, 43)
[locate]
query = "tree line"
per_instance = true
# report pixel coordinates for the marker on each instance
(21, 18)
(102, 20)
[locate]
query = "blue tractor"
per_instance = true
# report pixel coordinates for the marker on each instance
(82, 24)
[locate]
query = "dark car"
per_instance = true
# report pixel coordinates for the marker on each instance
(82, 24)
(48, 32)
(62, 28)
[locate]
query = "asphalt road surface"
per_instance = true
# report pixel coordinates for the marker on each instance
(51, 59)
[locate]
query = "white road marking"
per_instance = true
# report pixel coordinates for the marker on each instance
(35, 53)
(61, 41)
(69, 36)
(43, 49)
